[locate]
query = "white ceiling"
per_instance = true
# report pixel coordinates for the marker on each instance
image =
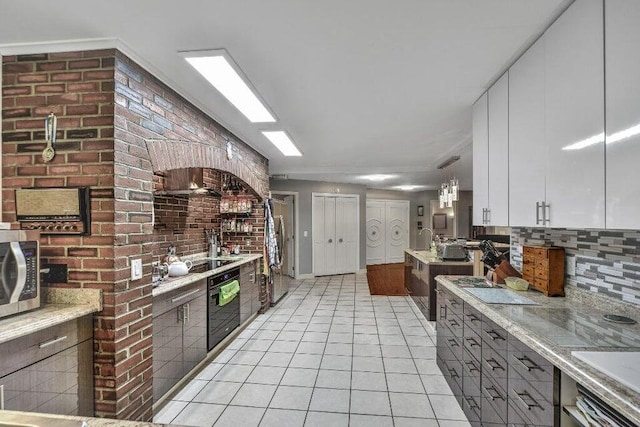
(362, 86)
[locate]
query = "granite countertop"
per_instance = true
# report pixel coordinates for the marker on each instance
(557, 326)
(173, 283)
(58, 306)
(47, 420)
(428, 257)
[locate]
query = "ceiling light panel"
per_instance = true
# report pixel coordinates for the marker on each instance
(377, 177)
(220, 70)
(282, 141)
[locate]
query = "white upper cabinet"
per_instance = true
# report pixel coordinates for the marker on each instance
(527, 146)
(574, 117)
(498, 213)
(480, 160)
(622, 38)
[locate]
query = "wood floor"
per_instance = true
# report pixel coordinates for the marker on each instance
(386, 279)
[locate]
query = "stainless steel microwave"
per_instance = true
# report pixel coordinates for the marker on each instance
(19, 271)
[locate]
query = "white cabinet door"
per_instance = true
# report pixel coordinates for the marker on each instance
(346, 243)
(498, 189)
(622, 39)
(480, 160)
(527, 147)
(376, 232)
(574, 117)
(397, 217)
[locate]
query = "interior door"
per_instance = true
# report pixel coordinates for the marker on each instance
(376, 232)
(397, 231)
(290, 235)
(318, 222)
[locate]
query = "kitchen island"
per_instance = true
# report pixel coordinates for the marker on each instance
(522, 356)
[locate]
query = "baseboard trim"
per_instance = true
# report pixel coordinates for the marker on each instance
(305, 276)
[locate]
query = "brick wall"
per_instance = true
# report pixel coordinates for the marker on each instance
(119, 128)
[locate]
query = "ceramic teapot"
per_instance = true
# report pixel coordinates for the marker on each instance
(179, 268)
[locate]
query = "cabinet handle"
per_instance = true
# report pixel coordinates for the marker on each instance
(454, 302)
(252, 277)
(330, 240)
(472, 342)
(528, 396)
(493, 364)
(546, 219)
(471, 402)
(493, 396)
(488, 216)
(185, 295)
(473, 318)
(472, 366)
(453, 342)
(494, 335)
(408, 291)
(185, 311)
(538, 206)
(528, 363)
(452, 322)
(438, 291)
(339, 240)
(2, 397)
(453, 373)
(443, 312)
(52, 341)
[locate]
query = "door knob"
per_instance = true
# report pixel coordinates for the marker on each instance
(330, 240)
(340, 241)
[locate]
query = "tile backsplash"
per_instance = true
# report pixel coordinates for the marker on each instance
(607, 261)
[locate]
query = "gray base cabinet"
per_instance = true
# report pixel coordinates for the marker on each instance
(497, 379)
(249, 290)
(179, 335)
(50, 371)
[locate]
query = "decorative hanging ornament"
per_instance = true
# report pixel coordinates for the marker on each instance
(50, 129)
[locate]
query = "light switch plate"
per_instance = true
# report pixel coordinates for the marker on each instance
(571, 266)
(305, 233)
(136, 269)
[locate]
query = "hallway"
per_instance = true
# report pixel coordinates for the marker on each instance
(329, 354)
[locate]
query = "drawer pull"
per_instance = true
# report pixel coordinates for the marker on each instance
(453, 322)
(471, 402)
(473, 318)
(494, 335)
(528, 363)
(185, 295)
(453, 343)
(453, 373)
(492, 393)
(454, 302)
(438, 291)
(472, 342)
(493, 364)
(52, 341)
(471, 365)
(528, 396)
(443, 312)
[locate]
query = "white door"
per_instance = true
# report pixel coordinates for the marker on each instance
(622, 39)
(335, 234)
(498, 190)
(290, 235)
(397, 231)
(527, 147)
(574, 117)
(480, 160)
(376, 232)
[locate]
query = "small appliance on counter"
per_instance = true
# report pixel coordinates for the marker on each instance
(19, 271)
(496, 261)
(452, 252)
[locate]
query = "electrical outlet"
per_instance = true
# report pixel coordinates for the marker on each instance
(136, 269)
(571, 266)
(305, 233)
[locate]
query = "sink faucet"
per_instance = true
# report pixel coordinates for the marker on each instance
(427, 241)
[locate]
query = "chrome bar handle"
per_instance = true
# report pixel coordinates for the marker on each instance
(494, 335)
(529, 364)
(52, 341)
(527, 405)
(538, 206)
(546, 219)
(1, 397)
(493, 364)
(492, 396)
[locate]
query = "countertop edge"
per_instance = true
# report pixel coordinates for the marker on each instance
(177, 283)
(599, 383)
(91, 421)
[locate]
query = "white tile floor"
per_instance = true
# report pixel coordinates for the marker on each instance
(329, 354)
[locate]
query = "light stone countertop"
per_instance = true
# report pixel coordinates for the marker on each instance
(173, 283)
(43, 420)
(541, 328)
(427, 257)
(58, 306)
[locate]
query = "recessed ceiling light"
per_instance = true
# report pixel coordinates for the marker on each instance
(377, 177)
(408, 187)
(282, 141)
(220, 70)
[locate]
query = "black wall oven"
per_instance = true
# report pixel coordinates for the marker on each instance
(222, 320)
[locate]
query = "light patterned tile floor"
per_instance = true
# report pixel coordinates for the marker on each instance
(329, 354)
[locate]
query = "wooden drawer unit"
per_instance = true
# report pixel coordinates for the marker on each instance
(543, 268)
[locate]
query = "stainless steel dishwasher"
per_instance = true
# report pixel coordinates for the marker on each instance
(222, 320)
